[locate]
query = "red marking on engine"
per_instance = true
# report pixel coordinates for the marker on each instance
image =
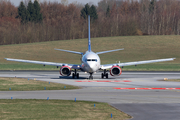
(103, 81)
(147, 88)
(115, 67)
(62, 68)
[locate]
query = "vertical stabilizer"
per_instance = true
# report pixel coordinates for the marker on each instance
(89, 34)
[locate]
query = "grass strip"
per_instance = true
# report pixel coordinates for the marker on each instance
(145, 67)
(58, 109)
(173, 80)
(136, 48)
(19, 84)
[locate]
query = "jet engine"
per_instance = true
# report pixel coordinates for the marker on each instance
(115, 71)
(65, 71)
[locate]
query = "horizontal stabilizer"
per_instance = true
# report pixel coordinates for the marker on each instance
(70, 51)
(109, 51)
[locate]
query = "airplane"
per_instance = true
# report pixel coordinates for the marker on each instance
(90, 62)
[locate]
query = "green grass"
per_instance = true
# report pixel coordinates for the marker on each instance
(137, 48)
(26, 66)
(173, 80)
(57, 109)
(18, 84)
(153, 67)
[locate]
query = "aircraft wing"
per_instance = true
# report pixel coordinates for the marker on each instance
(45, 63)
(107, 66)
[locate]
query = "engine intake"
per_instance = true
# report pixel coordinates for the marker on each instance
(115, 71)
(65, 71)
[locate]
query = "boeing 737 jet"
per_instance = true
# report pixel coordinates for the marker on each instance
(90, 62)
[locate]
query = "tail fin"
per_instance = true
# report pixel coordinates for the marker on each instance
(89, 37)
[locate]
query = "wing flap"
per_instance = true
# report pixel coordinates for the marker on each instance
(107, 66)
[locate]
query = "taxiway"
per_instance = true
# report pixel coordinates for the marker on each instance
(141, 104)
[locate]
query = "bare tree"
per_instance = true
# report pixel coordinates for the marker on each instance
(64, 2)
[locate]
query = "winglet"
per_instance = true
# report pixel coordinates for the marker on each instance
(89, 37)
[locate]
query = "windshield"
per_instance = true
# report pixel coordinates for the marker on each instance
(94, 60)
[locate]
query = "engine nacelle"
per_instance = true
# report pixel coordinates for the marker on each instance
(115, 71)
(65, 71)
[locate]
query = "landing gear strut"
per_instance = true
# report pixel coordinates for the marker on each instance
(104, 74)
(75, 74)
(90, 77)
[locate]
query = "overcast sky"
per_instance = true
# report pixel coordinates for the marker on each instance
(17, 2)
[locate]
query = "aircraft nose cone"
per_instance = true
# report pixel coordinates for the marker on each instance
(92, 67)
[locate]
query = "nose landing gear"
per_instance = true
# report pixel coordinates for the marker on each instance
(91, 77)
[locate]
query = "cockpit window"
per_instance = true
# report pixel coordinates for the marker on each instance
(94, 60)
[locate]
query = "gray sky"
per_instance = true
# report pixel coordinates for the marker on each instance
(17, 2)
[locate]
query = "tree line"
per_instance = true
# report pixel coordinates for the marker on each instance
(31, 13)
(48, 21)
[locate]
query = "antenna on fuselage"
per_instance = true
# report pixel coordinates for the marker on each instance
(89, 34)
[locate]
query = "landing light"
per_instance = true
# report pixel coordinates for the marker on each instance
(85, 72)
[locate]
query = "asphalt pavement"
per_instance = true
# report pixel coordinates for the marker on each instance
(141, 104)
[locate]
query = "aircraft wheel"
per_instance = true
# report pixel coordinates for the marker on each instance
(77, 75)
(90, 77)
(102, 75)
(73, 75)
(106, 75)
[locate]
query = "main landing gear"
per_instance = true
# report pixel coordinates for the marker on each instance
(75, 74)
(104, 74)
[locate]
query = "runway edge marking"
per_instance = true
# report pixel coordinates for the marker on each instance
(147, 88)
(102, 81)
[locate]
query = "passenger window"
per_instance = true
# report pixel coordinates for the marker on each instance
(88, 59)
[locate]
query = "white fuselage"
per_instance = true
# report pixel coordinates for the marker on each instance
(90, 62)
